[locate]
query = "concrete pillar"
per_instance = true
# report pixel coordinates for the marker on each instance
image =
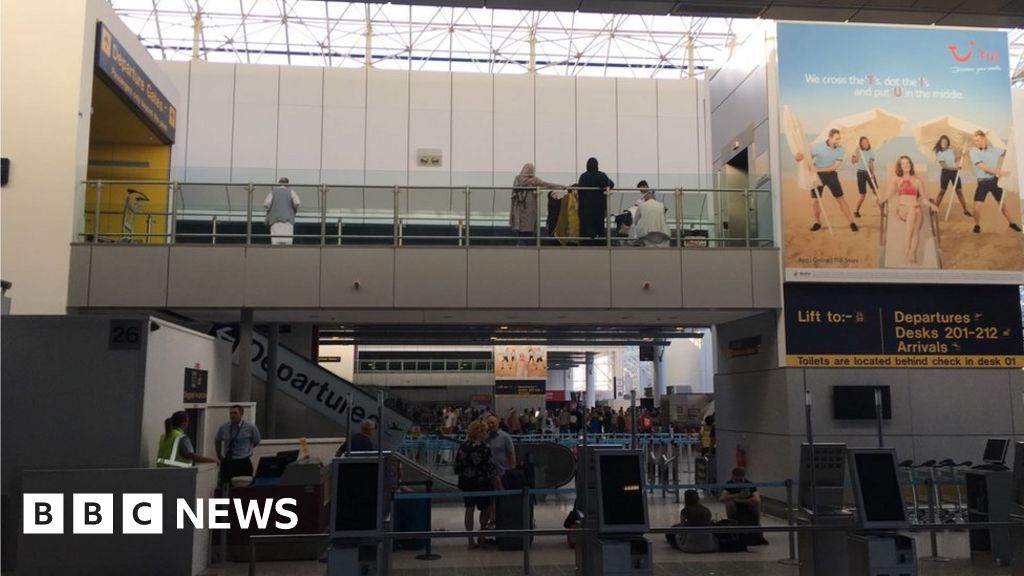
(659, 374)
(241, 387)
(270, 395)
(591, 392)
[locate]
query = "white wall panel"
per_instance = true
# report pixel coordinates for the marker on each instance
(679, 142)
(344, 126)
(300, 123)
(211, 112)
(430, 126)
(178, 72)
(472, 156)
(356, 127)
(637, 105)
(514, 128)
(514, 140)
(556, 129)
(596, 132)
(254, 144)
(387, 127)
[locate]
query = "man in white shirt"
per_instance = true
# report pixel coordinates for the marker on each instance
(649, 222)
(281, 205)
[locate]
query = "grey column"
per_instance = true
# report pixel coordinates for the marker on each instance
(270, 397)
(659, 374)
(241, 387)
(590, 394)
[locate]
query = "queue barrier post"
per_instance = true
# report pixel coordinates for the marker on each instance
(933, 515)
(428, 553)
(790, 521)
(527, 525)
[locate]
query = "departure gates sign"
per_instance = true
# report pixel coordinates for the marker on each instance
(903, 326)
(127, 79)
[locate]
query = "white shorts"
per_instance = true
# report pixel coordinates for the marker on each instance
(281, 232)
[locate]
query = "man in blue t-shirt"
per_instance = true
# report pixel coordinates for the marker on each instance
(988, 162)
(826, 158)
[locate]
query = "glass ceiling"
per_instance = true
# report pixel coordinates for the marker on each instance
(321, 33)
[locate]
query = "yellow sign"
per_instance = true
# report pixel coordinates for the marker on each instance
(901, 361)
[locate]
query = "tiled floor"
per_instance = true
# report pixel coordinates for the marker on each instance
(552, 557)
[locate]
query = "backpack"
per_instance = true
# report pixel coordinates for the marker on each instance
(729, 541)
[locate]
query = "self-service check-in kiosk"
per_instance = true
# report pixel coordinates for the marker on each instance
(357, 516)
(1016, 513)
(821, 485)
(876, 549)
(615, 511)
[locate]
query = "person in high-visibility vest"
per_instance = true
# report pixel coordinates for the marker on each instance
(176, 449)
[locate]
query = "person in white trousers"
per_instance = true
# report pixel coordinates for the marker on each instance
(282, 204)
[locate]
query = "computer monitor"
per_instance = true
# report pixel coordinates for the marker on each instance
(356, 501)
(269, 470)
(995, 450)
(858, 403)
(876, 489)
(289, 455)
(622, 505)
(829, 476)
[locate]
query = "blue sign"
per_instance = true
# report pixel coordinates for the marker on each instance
(127, 79)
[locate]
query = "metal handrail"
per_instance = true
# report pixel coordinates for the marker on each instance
(711, 218)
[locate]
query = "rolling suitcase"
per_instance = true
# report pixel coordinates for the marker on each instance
(411, 516)
(509, 510)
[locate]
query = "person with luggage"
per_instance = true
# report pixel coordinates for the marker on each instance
(503, 457)
(743, 505)
(476, 473)
(694, 514)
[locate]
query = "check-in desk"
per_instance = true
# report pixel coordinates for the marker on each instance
(307, 484)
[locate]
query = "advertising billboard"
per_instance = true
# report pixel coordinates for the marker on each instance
(520, 370)
(898, 162)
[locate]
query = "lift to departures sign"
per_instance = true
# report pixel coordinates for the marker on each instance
(904, 325)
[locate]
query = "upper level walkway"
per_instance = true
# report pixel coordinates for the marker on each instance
(389, 251)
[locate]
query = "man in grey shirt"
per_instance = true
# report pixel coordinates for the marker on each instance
(281, 205)
(503, 452)
(235, 441)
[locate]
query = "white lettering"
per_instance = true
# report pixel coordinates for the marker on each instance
(281, 509)
(196, 517)
(253, 510)
(219, 508)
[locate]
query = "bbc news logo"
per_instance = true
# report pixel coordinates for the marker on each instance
(144, 513)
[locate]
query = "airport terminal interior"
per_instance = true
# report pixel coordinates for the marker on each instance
(512, 287)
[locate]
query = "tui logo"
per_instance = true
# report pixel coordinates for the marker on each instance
(987, 56)
(958, 57)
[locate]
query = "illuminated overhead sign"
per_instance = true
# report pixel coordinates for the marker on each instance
(903, 326)
(126, 78)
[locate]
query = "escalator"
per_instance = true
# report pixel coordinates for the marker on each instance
(319, 390)
(327, 394)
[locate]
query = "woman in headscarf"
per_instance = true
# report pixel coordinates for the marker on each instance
(523, 216)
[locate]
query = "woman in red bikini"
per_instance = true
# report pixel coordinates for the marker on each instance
(909, 191)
